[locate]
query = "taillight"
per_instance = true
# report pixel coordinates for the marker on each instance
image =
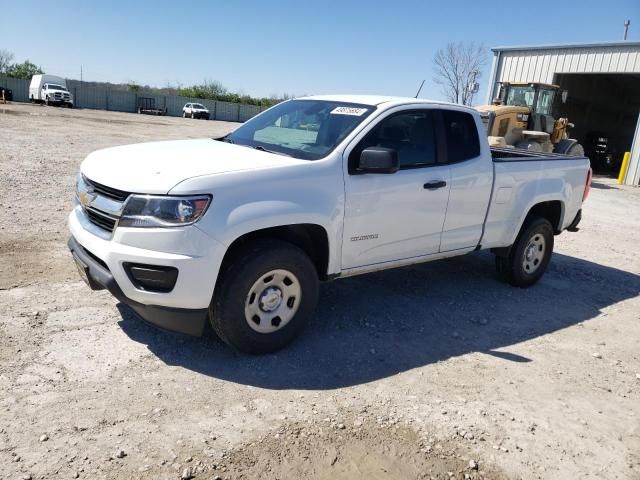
(587, 187)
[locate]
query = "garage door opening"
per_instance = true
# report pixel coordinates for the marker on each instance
(604, 108)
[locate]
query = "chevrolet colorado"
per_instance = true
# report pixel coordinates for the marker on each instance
(237, 232)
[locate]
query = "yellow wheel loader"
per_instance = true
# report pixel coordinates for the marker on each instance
(521, 117)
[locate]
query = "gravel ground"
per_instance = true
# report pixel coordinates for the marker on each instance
(432, 371)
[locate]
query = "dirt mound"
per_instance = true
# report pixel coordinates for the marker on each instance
(360, 450)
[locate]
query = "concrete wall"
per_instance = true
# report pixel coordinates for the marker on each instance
(119, 101)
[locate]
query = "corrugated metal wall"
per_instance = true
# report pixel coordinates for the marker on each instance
(539, 64)
(20, 88)
(105, 99)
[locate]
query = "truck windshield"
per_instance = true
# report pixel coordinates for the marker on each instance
(56, 87)
(304, 129)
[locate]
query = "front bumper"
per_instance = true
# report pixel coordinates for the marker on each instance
(182, 320)
(194, 254)
(57, 99)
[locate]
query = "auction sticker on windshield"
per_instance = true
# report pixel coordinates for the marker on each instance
(348, 111)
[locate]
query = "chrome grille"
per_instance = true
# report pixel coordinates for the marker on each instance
(101, 205)
(100, 219)
(113, 193)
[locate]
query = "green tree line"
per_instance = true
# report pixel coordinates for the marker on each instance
(208, 90)
(24, 70)
(212, 90)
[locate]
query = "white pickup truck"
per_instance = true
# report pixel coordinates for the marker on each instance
(237, 232)
(50, 89)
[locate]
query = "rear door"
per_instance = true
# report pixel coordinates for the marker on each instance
(471, 180)
(396, 216)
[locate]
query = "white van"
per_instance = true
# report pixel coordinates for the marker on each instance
(50, 89)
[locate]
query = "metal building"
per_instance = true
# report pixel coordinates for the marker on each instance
(602, 81)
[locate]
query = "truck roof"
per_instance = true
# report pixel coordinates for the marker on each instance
(374, 100)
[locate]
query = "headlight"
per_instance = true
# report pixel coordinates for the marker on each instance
(162, 211)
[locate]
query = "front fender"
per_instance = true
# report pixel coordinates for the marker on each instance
(254, 216)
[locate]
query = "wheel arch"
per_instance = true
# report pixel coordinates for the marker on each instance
(552, 210)
(312, 238)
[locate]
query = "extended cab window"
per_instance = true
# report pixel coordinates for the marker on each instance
(461, 134)
(305, 129)
(411, 134)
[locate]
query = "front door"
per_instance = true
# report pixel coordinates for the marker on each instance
(401, 215)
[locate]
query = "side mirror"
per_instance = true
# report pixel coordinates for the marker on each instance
(378, 160)
(565, 95)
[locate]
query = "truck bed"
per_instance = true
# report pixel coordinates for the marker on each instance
(523, 178)
(506, 154)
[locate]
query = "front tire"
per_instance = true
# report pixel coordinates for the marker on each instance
(264, 297)
(530, 254)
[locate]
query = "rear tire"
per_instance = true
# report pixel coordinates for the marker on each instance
(264, 297)
(576, 150)
(530, 145)
(529, 256)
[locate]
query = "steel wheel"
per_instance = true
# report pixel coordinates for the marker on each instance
(534, 253)
(273, 300)
(265, 296)
(524, 263)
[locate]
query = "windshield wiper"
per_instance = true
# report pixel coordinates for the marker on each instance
(262, 149)
(227, 139)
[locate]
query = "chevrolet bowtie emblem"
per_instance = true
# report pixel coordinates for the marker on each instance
(86, 198)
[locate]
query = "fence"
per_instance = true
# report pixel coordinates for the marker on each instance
(119, 101)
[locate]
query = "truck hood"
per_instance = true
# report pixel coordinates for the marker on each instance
(157, 167)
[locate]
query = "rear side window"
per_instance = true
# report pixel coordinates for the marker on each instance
(462, 136)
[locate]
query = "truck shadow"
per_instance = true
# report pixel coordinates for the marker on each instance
(378, 325)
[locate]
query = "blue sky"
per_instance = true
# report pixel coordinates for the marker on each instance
(261, 48)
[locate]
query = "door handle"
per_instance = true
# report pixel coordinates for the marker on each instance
(435, 184)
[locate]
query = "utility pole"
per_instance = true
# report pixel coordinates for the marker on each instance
(626, 27)
(81, 73)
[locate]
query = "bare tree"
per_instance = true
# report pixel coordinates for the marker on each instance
(456, 68)
(6, 58)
